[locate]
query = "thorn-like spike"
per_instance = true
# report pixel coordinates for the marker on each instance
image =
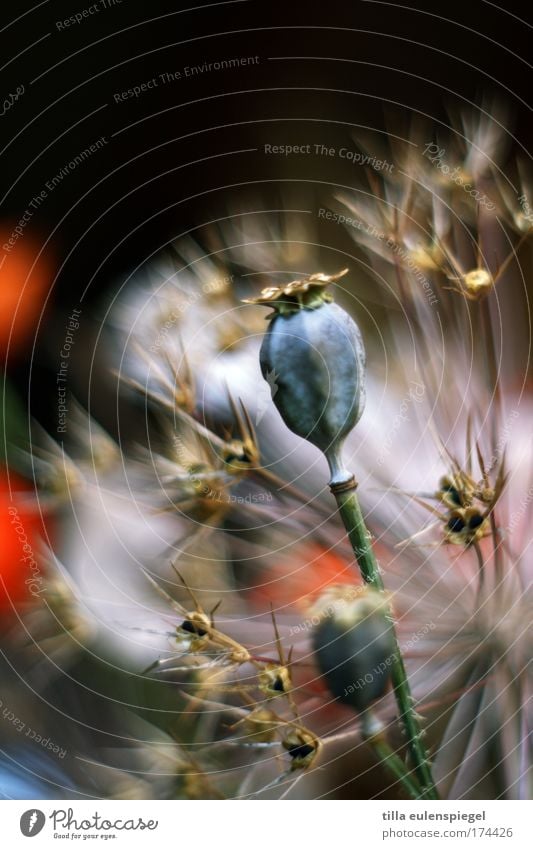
(162, 592)
(149, 668)
(197, 605)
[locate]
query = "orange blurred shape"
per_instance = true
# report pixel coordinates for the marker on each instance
(299, 582)
(24, 283)
(21, 570)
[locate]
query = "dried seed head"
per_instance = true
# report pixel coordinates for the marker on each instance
(523, 221)
(478, 281)
(354, 648)
(310, 292)
(430, 258)
(261, 725)
(317, 352)
(335, 598)
(452, 493)
(195, 626)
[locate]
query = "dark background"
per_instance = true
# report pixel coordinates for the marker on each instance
(165, 173)
(175, 159)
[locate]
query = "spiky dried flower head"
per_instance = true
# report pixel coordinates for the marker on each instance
(240, 455)
(354, 647)
(261, 725)
(478, 280)
(466, 499)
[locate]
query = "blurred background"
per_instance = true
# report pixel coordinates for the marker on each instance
(147, 144)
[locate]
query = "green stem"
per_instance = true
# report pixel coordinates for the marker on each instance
(351, 515)
(373, 731)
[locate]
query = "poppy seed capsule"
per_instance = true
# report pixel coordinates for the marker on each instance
(315, 351)
(354, 647)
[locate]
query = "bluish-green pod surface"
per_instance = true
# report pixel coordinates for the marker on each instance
(315, 358)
